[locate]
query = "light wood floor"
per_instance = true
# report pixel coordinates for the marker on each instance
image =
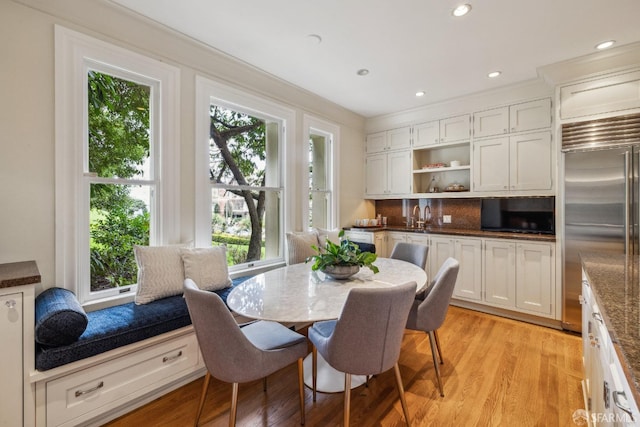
(497, 372)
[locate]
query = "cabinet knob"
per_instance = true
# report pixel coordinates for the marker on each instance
(506, 130)
(513, 129)
(11, 304)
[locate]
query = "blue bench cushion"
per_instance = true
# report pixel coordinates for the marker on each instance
(121, 325)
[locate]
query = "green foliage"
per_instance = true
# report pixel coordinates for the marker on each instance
(343, 253)
(229, 239)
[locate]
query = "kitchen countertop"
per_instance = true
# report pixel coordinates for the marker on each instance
(18, 274)
(461, 232)
(614, 282)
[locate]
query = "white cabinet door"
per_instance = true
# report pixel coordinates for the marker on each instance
(393, 238)
(531, 164)
(376, 174)
(530, 115)
(500, 272)
(380, 241)
(426, 134)
(534, 277)
(491, 164)
(440, 249)
(455, 129)
(399, 172)
(399, 138)
(491, 122)
(376, 142)
(469, 283)
(11, 392)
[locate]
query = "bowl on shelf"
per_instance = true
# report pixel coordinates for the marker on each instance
(455, 188)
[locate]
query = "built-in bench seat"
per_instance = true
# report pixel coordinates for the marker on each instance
(121, 325)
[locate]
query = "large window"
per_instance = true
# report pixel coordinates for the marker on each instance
(240, 197)
(321, 207)
(115, 163)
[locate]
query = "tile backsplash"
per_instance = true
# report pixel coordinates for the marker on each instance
(465, 213)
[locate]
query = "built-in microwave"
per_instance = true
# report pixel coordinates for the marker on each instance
(519, 214)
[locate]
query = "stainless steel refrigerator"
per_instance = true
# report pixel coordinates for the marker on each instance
(601, 196)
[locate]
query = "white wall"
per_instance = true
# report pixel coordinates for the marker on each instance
(27, 115)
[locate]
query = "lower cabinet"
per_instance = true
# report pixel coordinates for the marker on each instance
(519, 275)
(468, 252)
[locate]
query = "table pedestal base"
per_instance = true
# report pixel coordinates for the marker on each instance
(329, 380)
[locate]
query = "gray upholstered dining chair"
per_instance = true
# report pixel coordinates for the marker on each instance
(236, 355)
(430, 309)
(411, 252)
(366, 338)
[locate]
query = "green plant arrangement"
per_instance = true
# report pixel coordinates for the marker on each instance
(342, 254)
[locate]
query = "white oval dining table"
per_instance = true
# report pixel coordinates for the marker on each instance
(296, 294)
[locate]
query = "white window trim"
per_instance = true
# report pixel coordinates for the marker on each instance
(73, 53)
(208, 91)
(322, 127)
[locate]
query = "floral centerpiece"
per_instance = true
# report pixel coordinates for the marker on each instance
(341, 260)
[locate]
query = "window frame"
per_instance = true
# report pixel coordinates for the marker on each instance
(323, 128)
(75, 55)
(210, 92)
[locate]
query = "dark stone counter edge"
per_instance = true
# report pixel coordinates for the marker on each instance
(19, 274)
(461, 232)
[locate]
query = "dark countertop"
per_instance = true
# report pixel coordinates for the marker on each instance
(461, 232)
(18, 274)
(614, 282)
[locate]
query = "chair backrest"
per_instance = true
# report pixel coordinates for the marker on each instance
(432, 311)
(411, 252)
(368, 334)
(228, 354)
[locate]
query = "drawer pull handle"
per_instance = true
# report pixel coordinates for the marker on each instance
(91, 390)
(170, 358)
(598, 317)
(622, 404)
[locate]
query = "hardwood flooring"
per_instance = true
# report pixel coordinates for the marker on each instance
(496, 372)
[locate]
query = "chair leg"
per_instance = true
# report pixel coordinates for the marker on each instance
(347, 398)
(203, 395)
(432, 340)
(435, 334)
(301, 388)
(314, 370)
(403, 401)
(233, 412)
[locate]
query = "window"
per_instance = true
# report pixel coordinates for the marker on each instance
(116, 163)
(321, 208)
(240, 179)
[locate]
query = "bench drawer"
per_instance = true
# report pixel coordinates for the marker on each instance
(80, 396)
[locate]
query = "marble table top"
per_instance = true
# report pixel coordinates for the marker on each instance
(296, 294)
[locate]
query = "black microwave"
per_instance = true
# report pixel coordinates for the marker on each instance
(519, 214)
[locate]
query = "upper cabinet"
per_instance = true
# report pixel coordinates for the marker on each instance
(452, 129)
(388, 174)
(521, 117)
(394, 139)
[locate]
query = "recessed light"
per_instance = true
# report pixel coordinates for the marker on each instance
(362, 72)
(605, 45)
(461, 10)
(420, 93)
(314, 38)
(494, 74)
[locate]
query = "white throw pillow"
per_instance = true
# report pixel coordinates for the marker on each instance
(332, 235)
(160, 272)
(299, 245)
(207, 267)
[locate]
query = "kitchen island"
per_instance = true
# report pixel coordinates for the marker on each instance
(613, 283)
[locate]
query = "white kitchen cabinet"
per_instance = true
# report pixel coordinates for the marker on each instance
(12, 390)
(394, 139)
(515, 163)
(377, 238)
(535, 277)
(491, 122)
(468, 252)
(444, 131)
(519, 275)
(426, 134)
(380, 241)
(530, 115)
(616, 92)
(499, 272)
(388, 174)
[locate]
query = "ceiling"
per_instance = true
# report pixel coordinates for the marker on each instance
(407, 45)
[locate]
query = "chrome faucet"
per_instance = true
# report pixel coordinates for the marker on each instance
(416, 218)
(427, 215)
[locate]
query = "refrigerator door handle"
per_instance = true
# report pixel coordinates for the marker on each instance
(628, 175)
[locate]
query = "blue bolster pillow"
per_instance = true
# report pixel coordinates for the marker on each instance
(60, 319)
